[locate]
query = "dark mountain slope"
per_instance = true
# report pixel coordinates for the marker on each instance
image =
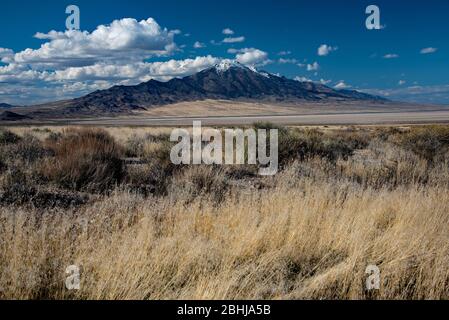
(227, 80)
(12, 116)
(5, 106)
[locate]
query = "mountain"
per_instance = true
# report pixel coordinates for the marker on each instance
(227, 80)
(12, 116)
(5, 106)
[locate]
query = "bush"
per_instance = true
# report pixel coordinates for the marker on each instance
(200, 181)
(135, 144)
(8, 137)
(28, 150)
(428, 142)
(159, 165)
(54, 136)
(304, 144)
(16, 189)
(3, 165)
(385, 165)
(84, 159)
(139, 179)
(297, 144)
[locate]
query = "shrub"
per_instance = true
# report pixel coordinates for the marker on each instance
(306, 144)
(427, 142)
(354, 139)
(159, 166)
(8, 137)
(384, 165)
(84, 159)
(3, 165)
(139, 179)
(54, 136)
(135, 144)
(16, 189)
(28, 150)
(200, 181)
(297, 144)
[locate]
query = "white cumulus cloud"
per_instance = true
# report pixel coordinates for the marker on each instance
(233, 39)
(199, 45)
(391, 56)
(313, 67)
(325, 49)
(5, 54)
(125, 39)
(252, 56)
(428, 50)
(228, 31)
(288, 61)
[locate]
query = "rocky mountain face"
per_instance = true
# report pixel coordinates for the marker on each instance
(227, 80)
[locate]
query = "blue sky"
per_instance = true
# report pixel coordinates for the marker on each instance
(406, 60)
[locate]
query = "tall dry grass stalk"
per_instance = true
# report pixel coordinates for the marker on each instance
(297, 241)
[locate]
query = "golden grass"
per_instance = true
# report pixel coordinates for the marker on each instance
(307, 233)
(297, 241)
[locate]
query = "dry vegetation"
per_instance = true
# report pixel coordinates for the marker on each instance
(110, 201)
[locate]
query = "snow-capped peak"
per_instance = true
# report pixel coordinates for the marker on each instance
(227, 64)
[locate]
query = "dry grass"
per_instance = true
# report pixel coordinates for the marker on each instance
(84, 159)
(223, 233)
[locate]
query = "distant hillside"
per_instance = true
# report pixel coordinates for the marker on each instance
(6, 106)
(12, 116)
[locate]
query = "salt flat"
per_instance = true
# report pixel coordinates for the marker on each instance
(352, 118)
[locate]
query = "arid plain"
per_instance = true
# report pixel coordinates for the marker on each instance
(110, 201)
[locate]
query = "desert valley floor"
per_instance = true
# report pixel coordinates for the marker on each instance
(222, 112)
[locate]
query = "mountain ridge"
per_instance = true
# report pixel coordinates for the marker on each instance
(228, 80)
(6, 106)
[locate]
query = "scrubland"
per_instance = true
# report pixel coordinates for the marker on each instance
(111, 202)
